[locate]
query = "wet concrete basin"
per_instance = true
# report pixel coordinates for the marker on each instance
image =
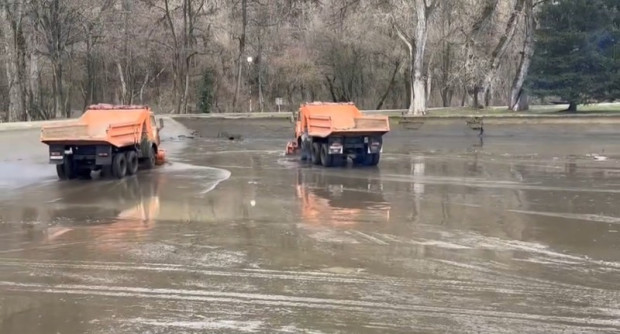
(514, 233)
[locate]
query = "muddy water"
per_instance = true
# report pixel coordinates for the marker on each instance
(517, 232)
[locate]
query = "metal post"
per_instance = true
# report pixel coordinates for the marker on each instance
(250, 80)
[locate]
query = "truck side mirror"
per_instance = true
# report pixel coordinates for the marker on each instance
(161, 123)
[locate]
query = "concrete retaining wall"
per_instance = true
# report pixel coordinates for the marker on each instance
(488, 118)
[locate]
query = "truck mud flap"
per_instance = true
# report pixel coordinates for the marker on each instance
(103, 155)
(336, 148)
(56, 154)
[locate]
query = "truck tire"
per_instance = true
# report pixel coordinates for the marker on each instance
(132, 162)
(119, 165)
(316, 153)
(306, 150)
(372, 159)
(66, 170)
(60, 171)
(150, 160)
(326, 159)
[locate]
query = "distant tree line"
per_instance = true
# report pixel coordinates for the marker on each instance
(194, 56)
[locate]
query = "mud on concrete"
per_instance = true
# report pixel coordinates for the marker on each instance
(512, 232)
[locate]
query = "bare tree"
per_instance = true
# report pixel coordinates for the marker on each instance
(58, 25)
(416, 44)
(483, 88)
(241, 52)
(518, 100)
(12, 16)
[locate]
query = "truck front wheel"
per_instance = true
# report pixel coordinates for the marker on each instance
(119, 165)
(150, 160)
(132, 162)
(60, 171)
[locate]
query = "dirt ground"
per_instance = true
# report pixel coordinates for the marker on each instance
(513, 232)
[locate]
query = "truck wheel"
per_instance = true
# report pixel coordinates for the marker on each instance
(306, 150)
(316, 153)
(326, 159)
(119, 165)
(372, 159)
(66, 170)
(132, 162)
(60, 171)
(149, 163)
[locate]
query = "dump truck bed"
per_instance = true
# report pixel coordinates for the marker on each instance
(327, 119)
(117, 127)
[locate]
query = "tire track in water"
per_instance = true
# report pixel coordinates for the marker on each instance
(270, 300)
(514, 283)
(128, 267)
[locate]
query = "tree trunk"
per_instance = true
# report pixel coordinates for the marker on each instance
(15, 64)
(423, 12)
(516, 92)
(90, 72)
(177, 62)
(446, 86)
(244, 19)
(572, 107)
(498, 53)
(446, 97)
(34, 87)
(389, 87)
(464, 96)
(143, 87)
(259, 66)
(121, 76)
(59, 99)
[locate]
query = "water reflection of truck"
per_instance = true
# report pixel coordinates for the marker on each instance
(127, 208)
(335, 200)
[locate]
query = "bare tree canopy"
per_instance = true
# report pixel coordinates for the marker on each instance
(189, 56)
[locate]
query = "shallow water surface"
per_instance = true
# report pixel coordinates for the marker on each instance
(517, 232)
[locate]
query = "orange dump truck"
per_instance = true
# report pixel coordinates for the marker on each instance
(112, 139)
(329, 133)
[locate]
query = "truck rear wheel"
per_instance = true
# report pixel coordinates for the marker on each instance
(66, 170)
(119, 165)
(60, 171)
(326, 159)
(132, 162)
(316, 153)
(372, 159)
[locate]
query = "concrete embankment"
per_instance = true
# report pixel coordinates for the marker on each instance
(395, 115)
(487, 118)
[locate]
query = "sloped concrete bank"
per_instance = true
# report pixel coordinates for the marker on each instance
(487, 118)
